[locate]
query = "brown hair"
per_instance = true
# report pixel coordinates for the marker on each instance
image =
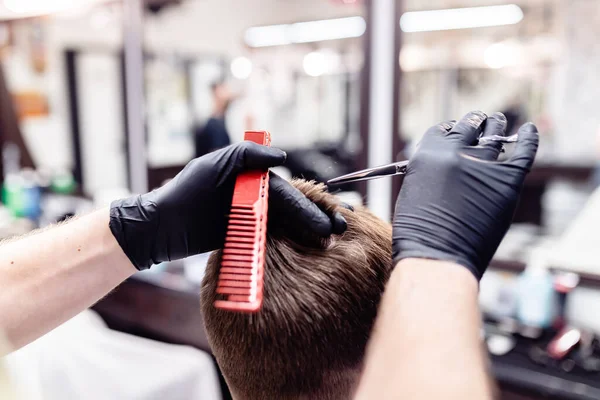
(320, 303)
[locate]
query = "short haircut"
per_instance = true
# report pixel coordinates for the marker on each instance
(319, 306)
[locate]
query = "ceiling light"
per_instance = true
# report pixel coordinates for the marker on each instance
(305, 32)
(460, 18)
(241, 67)
(314, 63)
(331, 29)
(273, 35)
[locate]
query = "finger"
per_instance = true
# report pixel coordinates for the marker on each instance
(495, 125)
(255, 156)
(526, 147)
(487, 152)
(239, 157)
(347, 206)
(468, 129)
(440, 129)
(339, 224)
(448, 125)
(284, 198)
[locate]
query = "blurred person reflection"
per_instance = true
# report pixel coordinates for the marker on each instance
(213, 134)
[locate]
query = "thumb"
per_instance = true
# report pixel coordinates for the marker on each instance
(526, 147)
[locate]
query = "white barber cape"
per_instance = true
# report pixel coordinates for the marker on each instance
(84, 359)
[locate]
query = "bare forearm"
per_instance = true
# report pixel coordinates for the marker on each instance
(426, 341)
(51, 276)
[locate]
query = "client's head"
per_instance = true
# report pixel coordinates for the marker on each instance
(320, 303)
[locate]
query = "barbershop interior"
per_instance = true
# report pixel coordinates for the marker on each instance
(105, 99)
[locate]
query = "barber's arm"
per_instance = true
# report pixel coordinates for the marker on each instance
(454, 208)
(50, 276)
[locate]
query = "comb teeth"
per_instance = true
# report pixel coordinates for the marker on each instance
(240, 283)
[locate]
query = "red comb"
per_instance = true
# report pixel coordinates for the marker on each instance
(240, 284)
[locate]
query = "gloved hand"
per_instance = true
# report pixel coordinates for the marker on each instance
(188, 215)
(457, 201)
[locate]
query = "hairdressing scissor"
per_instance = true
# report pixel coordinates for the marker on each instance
(399, 168)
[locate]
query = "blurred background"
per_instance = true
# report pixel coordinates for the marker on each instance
(103, 98)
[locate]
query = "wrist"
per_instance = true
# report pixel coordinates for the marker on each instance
(413, 250)
(133, 223)
(110, 248)
(438, 274)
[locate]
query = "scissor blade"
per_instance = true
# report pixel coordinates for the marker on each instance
(397, 168)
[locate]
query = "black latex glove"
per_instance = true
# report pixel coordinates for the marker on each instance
(188, 215)
(457, 201)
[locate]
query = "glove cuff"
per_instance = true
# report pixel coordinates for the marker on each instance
(133, 223)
